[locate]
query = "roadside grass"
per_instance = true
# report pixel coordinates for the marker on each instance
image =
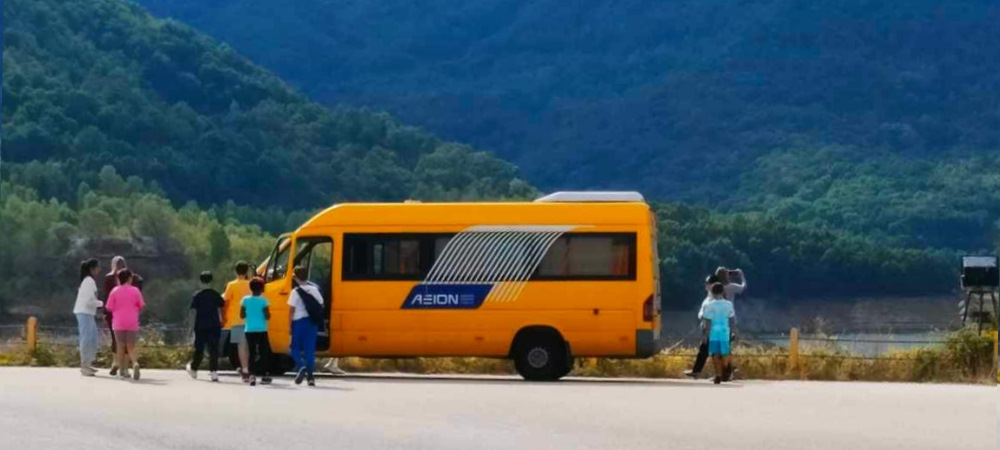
(964, 358)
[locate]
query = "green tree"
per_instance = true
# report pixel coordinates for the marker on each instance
(219, 245)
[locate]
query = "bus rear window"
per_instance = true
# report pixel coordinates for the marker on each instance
(590, 256)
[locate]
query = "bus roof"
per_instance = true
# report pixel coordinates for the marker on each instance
(460, 215)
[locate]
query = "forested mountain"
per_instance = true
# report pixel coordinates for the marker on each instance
(125, 133)
(90, 83)
(113, 119)
(897, 102)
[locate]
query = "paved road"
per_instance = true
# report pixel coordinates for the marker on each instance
(57, 409)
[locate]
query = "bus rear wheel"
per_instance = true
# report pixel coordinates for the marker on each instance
(541, 357)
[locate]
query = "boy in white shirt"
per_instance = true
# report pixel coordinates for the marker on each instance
(305, 326)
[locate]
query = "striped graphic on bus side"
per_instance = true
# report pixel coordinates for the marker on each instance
(504, 257)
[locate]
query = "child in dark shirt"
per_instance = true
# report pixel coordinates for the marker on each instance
(207, 305)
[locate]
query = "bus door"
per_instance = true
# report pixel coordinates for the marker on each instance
(316, 255)
(278, 278)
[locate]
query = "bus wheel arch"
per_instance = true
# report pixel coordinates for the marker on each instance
(541, 353)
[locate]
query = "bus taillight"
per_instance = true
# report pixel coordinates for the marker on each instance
(648, 310)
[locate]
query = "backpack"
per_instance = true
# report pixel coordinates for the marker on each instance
(313, 307)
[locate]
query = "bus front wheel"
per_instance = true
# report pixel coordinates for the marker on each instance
(541, 357)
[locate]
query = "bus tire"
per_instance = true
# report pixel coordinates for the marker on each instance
(541, 356)
(569, 366)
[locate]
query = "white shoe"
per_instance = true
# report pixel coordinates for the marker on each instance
(215, 377)
(88, 372)
(333, 368)
(191, 372)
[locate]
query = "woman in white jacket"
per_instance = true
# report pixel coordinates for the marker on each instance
(86, 312)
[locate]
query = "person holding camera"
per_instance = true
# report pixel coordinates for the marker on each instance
(734, 282)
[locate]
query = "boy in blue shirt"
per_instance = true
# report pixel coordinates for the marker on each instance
(721, 318)
(254, 308)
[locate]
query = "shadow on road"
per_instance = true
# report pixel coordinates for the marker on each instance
(505, 381)
(142, 381)
(568, 382)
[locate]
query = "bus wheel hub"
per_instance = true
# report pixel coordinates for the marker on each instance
(538, 358)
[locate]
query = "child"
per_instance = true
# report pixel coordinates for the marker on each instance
(255, 310)
(125, 303)
(721, 318)
(304, 329)
(207, 305)
(233, 325)
(702, 358)
(118, 264)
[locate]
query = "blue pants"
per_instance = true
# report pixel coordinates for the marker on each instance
(304, 334)
(87, 326)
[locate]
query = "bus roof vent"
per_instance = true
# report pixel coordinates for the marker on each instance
(592, 197)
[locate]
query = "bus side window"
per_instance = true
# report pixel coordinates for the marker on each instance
(277, 267)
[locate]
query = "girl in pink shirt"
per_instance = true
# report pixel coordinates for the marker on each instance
(125, 303)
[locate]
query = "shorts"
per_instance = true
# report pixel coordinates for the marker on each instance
(718, 348)
(127, 336)
(237, 334)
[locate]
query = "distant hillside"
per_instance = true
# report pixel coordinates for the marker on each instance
(90, 83)
(115, 122)
(678, 98)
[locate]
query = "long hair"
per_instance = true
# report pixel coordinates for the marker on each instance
(87, 267)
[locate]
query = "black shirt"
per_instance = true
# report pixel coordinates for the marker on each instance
(207, 305)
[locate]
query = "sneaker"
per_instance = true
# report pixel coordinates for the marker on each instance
(124, 374)
(718, 380)
(252, 380)
(191, 372)
(88, 372)
(312, 381)
(333, 368)
(93, 369)
(245, 376)
(265, 381)
(692, 374)
(301, 376)
(114, 371)
(215, 377)
(135, 372)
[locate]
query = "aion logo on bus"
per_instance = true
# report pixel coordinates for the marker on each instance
(443, 296)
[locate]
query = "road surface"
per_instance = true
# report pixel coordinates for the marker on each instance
(57, 409)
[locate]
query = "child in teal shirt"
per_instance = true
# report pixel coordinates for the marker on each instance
(721, 318)
(254, 308)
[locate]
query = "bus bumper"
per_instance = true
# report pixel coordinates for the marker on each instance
(647, 343)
